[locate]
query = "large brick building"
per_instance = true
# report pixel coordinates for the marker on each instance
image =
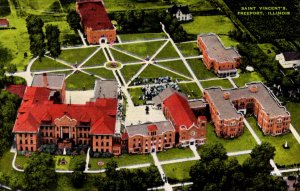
(227, 108)
(95, 21)
(223, 61)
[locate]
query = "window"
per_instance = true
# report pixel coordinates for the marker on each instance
(26, 142)
(107, 143)
(101, 143)
(31, 141)
(96, 143)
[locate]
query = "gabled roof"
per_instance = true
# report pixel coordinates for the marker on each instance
(143, 129)
(16, 89)
(152, 127)
(106, 89)
(180, 110)
(289, 56)
(164, 95)
(183, 9)
(4, 21)
(51, 81)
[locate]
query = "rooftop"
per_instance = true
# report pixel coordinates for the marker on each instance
(262, 94)
(164, 95)
(49, 80)
(289, 56)
(106, 89)
(143, 129)
(183, 9)
(216, 50)
(4, 21)
(16, 89)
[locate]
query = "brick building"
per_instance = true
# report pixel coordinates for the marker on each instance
(223, 61)
(4, 23)
(150, 137)
(95, 21)
(176, 108)
(227, 109)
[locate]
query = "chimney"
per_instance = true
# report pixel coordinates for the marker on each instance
(45, 80)
(253, 88)
(226, 95)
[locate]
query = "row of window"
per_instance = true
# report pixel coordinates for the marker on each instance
(26, 141)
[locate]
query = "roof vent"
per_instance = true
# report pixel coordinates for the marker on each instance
(253, 88)
(226, 95)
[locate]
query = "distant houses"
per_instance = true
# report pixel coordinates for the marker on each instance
(289, 59)
(182, 13)
(4, 23)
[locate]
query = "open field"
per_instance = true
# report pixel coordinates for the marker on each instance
(191, 89)
(293, 108)
(248, 77)
(188, 49)
(123, 58)
(223, 83)
(175, 153)
(167, 52)
(80, 81)
(282, 156)
(177, 66)
(179, 171)
(60, 166)
(102, 72)
(152, 71)
(141, 36)
(47, 64)
(200, 70)
(81, 54)
(97, 60)
(128, 71)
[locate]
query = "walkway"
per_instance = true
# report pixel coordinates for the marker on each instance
(167, 186)
(82, 37)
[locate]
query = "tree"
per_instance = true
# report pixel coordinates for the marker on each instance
(78, 176)
(11, 68)
(213, 151)
(74, 20)
(39, 174)
(53, 44)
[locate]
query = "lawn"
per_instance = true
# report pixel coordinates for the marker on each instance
(135, 94)
(293, 108)
(191, 89)
(123, 160)
(64, 183)
(152, 71)
(37, 6)
(76, 56)
(200, 70)
(80, 81)
(179, 171)
(248, 77)
(223, 83)
(141, 50)
(167, 52)
(60, 166)
(66, 72)
(64, 29)
(141, 36)
(188, 49)
(269, 49)
(123, 58)
(241, 158)
(241, 143)
(177, 66)
(175, 153)
(21, 161)
(47, 64)
(128, 71)
(97, 60)
(102, 72)
(282, 156)
(6, 163)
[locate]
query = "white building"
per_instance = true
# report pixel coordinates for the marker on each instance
(289, 59)
(182, 13)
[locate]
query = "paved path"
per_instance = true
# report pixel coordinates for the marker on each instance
(232, 82)
(82, 37)
(167, 186)
(194, 149)
(295, 133)
(141, 41)
(89, 57)
(172, 185)
(127, 53)
(5, 187)
(165, 68)
(122, 167)
(258, 141)
(239, 153)
(275, 171)
(13, 164)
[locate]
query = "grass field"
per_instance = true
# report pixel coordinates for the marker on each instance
(142, 50)
(21, 161)
(47, 64)
(282, 156)
(243, 142)
(167, 52)
(175, 153)
(123, 160)
(5, 163)
(97, 60)
(224, 83)
(241, 158)
(81, 54)
(59, 166)
(191, 89)
(177, 66)
(269, 49)
(188, 49)
(123, 58)
(80, 81)
(152, 71)
(179, 171)
(128, 71)
(293, 108)
(102, 72)
(141, 36)
(37, 6)
(248, 77)
(200, 70)
(135, 94)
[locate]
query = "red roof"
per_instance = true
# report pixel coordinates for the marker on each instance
(152, 127)
(93, 15)
(4, 22)
(36, 109)
(180, 110)
(202, 118)
(125, 136)
(16, 89)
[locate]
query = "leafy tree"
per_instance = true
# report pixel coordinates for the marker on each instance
(78, 177)
(53, 44)
(39, 174)
(212, 151)
(11, 68)
(74, 20)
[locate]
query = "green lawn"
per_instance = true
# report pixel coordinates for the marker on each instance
(175, 153)
(269, 49)
(167, 52)
(224, 83)
(77, 55)
(142, 50)
(177, 66)
(21, 161)
(66, 72)
(248, 77)
(200, 70)
(123, 160)
(80, 81)
(241, 158)
(102, 72)
(135, 94)
(179, 171)
(154, 72)
(123, 58)
(191, 89)
(128, 71)
(293, 108)
(188, 49)
(97, 60)
(282, 156)
(37, 6)
(59, 166)
(47, 64)
(243, 142)
(141, 36)
(6, 163)
(64, 183)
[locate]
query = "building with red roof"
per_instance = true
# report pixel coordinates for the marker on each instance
(95, 21)
(4, 23)
(16, 89)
